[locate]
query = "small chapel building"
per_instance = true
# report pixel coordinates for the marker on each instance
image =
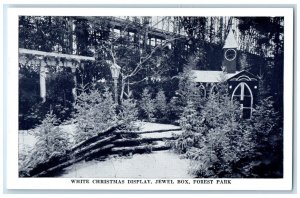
(242, 85)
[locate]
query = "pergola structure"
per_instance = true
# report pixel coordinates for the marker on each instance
(53, 59)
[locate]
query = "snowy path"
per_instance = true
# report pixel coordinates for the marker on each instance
(147, 126)
(160, 134)
(27, 139)
(160, 164)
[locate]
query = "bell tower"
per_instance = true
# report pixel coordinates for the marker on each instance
(230, 53)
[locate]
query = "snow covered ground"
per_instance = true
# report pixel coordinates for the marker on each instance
(27, 138)
(147, 126)
(160, 134)
(159, 164)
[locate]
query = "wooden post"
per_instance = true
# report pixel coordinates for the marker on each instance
(74, 90)
(43, 80)
(116, 89)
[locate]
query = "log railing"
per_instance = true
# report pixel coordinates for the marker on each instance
(109, 142)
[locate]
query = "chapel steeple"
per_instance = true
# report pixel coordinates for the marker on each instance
(230, 53)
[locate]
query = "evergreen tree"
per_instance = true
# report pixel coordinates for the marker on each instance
(191, 126)
(222, 144)
(160, 101)
(128, 114)
(51, 142)
(147, 105)
(187, 91)
(50, 139)
(95, 112)
(267, 128)
(160, 105)
(215, 139)
(222, 141)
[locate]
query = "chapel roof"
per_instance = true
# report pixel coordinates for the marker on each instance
(219, 76)
(230, 41)
(211, 76)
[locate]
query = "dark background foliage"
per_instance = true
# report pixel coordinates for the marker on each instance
(94, 36)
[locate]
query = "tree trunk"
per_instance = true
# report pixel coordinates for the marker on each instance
(221, 30)
(122, 90)
(211, 30)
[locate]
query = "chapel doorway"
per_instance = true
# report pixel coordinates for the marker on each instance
(243, 94)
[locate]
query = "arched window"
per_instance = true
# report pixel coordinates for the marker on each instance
(202, 90)
(243, 94)
(243, 78)
(214, 89)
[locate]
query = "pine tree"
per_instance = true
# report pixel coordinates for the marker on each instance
(128, 114)
(267, 128)
(220, 146)
(95, 112)
(215, 138)
(160, 105)
(50, 138)
(187, 87)
(189, 119)
(51, 142)
(187, 91)
(148, 105)
(190, 122)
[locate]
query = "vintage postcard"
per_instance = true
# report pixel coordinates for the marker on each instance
(149, 99)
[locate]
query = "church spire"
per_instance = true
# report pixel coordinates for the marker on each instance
(230, 53)
(230, 41)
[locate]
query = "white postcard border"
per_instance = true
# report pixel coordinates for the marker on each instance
(14, 182)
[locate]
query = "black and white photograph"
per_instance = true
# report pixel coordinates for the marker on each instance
(150, 97)
(142, 98)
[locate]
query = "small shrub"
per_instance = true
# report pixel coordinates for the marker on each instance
(95, 112)
(188, 91)
(161, 106)
(174, 110)
(190, 124)
(147, 105)
(266, 126)
(222, 144)
(51, 142)
(213, 138)
(128, 114)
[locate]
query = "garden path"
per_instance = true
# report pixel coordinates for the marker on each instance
(157, 164)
